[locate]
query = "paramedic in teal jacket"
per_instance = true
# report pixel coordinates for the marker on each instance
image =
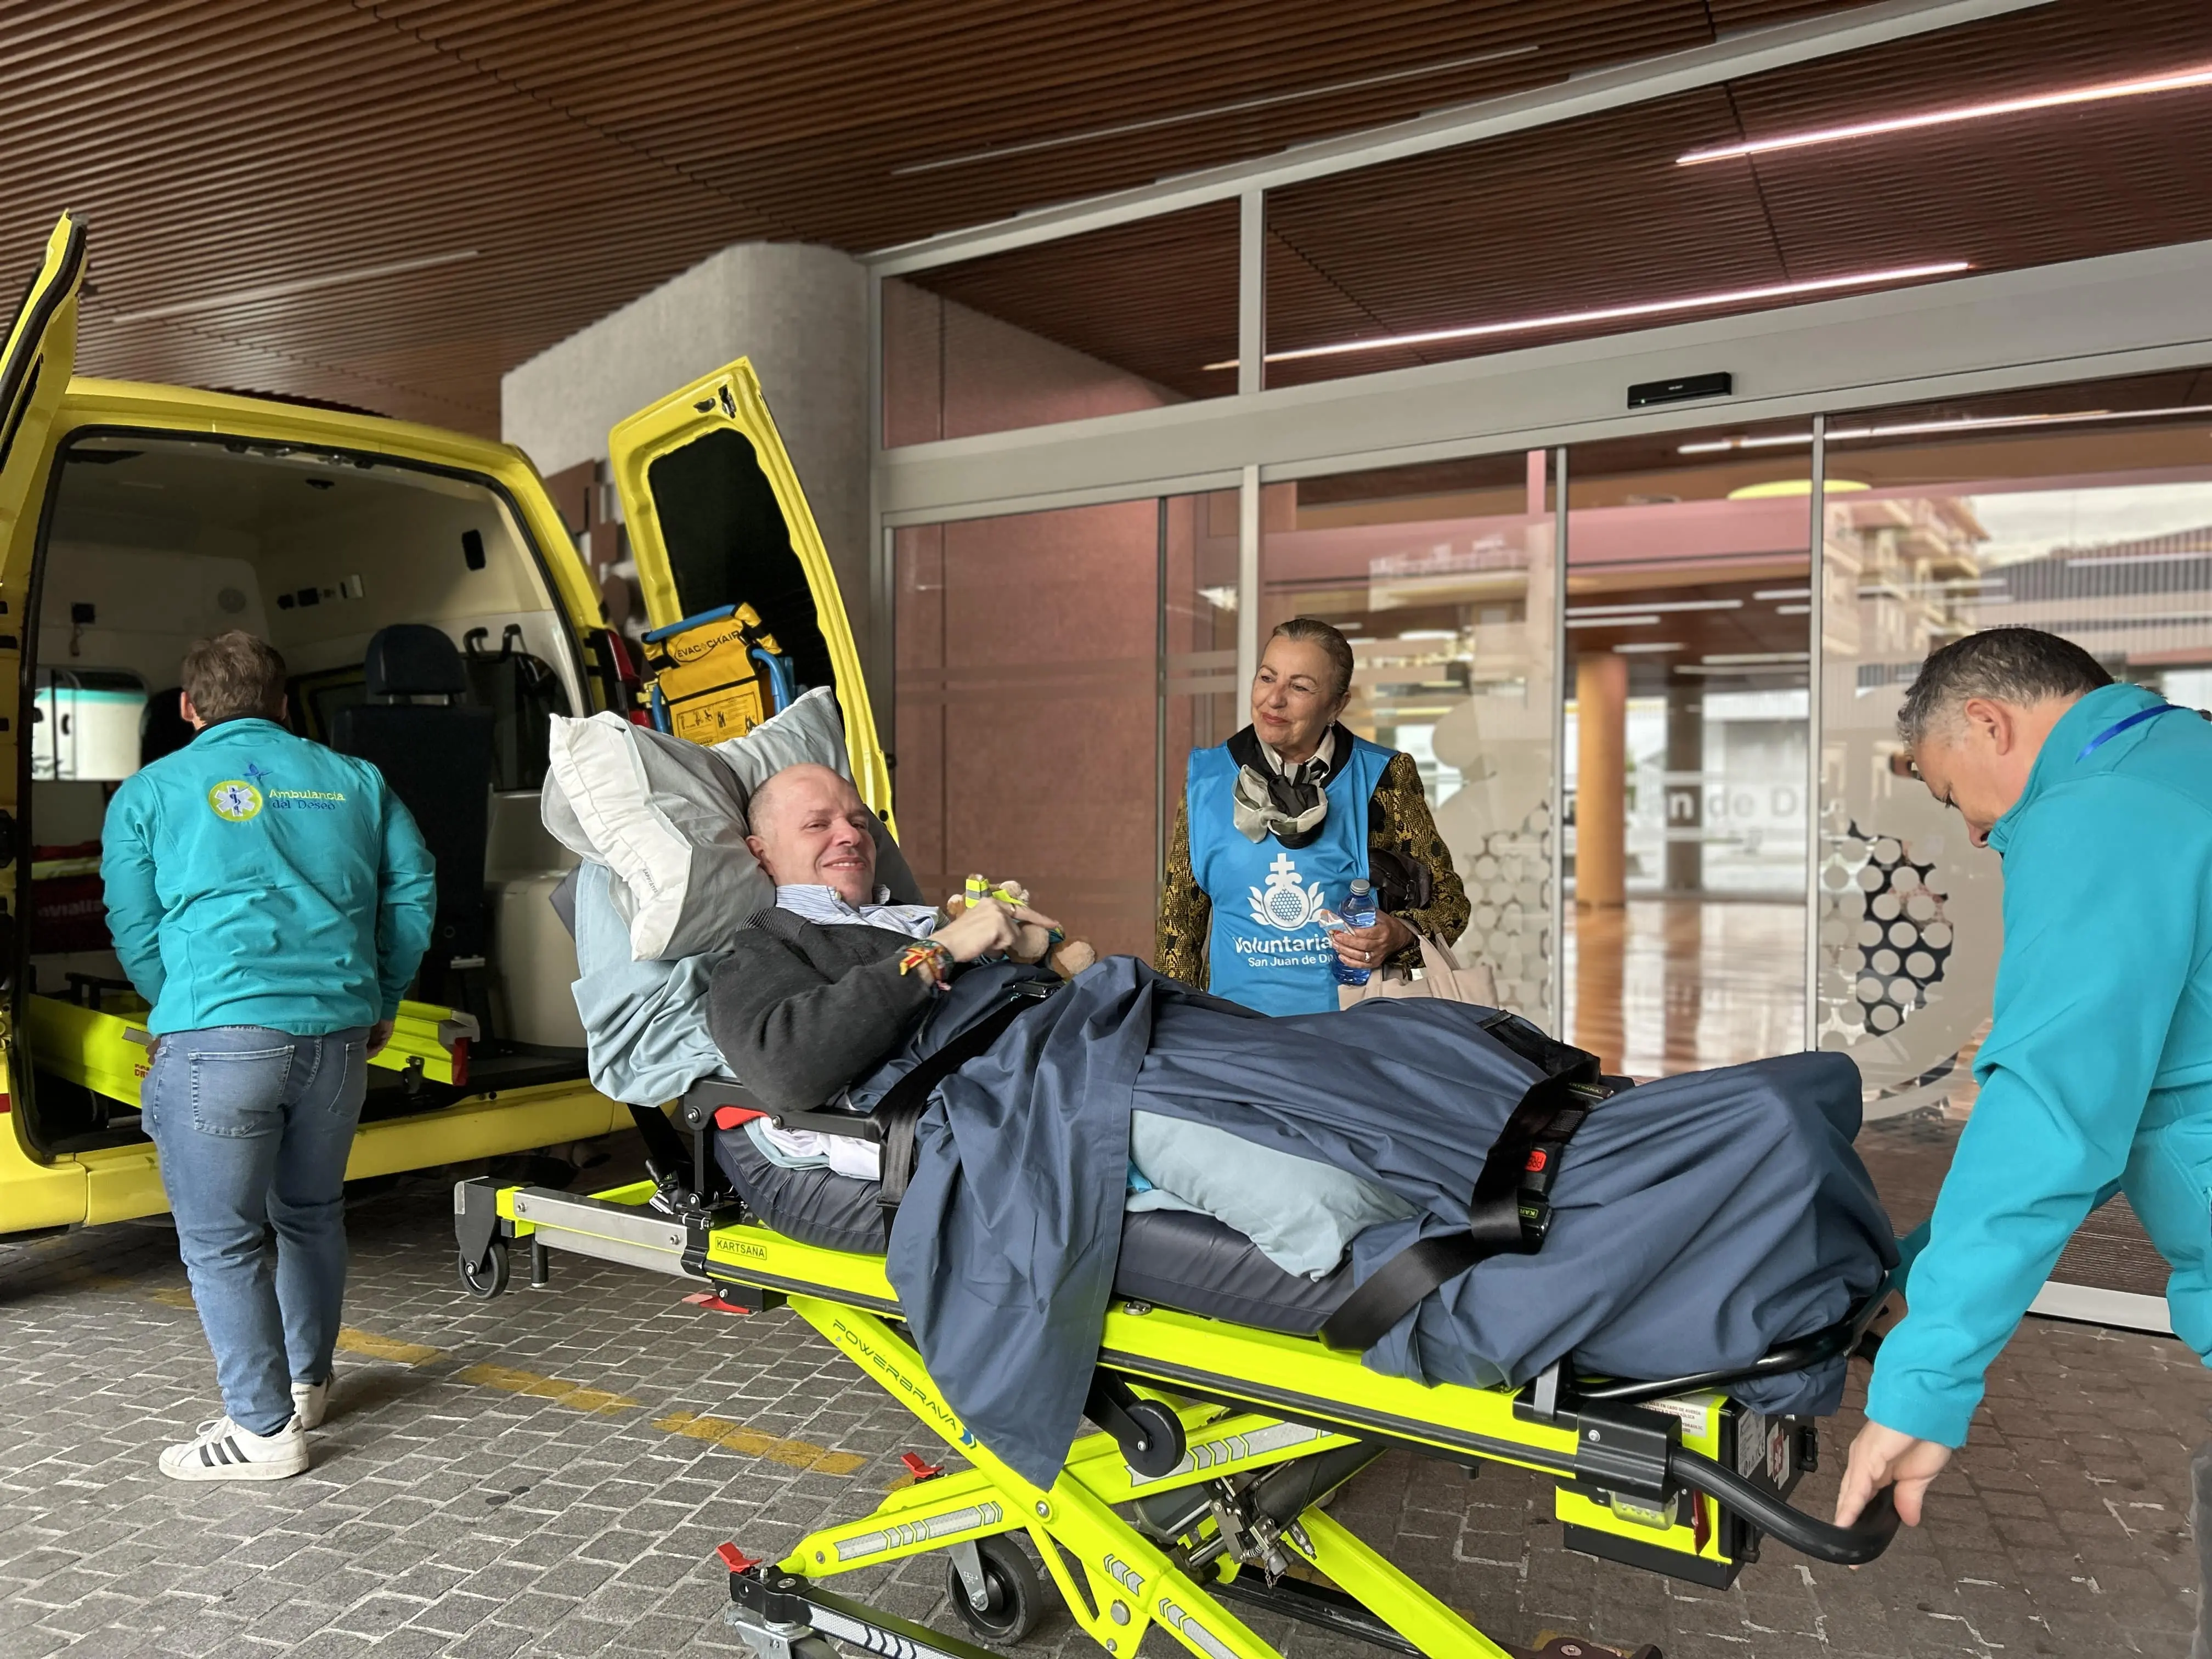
(2097, 1073)
(270, 899)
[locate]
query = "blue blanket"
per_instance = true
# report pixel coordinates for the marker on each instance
(1700, 1219)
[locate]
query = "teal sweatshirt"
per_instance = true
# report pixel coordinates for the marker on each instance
(2098, 1069)
(255, 879)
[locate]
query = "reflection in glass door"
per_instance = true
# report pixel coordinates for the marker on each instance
(1050, 666)
(1938, 523)
(1445, 580)
(1687, 631)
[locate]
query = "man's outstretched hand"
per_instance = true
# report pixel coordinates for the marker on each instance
(1881, 1456)
(988, 928)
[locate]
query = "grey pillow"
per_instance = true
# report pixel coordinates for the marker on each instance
(667, 819)
(1302, 1213)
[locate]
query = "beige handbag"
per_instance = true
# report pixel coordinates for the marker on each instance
(1442, 977)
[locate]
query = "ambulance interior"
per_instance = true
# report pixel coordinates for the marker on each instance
(155, 542)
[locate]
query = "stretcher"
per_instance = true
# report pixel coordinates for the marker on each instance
(1218, 1442)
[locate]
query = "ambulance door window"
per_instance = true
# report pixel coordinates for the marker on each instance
(728, 544)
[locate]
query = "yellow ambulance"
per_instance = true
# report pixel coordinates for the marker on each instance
(135, 519)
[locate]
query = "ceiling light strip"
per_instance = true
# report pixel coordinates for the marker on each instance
(247, 296)
(1152, 124)
(1615, 314)
(2178, 81)
(1660, 605)
(1923, 428)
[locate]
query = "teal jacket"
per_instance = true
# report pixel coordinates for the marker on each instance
(2097, 1075)
(255, 879)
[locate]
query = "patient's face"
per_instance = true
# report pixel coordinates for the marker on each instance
(815, 831)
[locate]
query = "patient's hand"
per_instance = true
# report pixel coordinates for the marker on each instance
(988, 928)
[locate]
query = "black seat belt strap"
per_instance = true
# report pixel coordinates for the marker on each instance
(1507, 1212)
(904, 1101)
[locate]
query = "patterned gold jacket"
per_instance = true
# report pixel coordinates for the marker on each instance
(1398, 820)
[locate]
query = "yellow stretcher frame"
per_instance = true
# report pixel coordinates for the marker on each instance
(1245, 1401)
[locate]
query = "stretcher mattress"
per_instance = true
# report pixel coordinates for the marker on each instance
(1170, 1258)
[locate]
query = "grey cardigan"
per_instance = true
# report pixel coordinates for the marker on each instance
(800, 1010)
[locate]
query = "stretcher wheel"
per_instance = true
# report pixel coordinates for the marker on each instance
(488, 1278)
(1017, 1595)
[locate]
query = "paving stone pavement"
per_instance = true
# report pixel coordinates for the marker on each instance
(547, 1473)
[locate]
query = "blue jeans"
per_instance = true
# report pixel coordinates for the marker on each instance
(254, 1126)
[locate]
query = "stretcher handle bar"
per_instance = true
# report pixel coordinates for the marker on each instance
(1798, 1353)
(1845, 1547)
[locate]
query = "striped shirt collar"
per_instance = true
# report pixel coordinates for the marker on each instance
(825, 906)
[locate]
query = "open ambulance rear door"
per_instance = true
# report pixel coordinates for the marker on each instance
(34, 374)
(724, 541)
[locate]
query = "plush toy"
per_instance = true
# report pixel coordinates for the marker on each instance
(1066, 956)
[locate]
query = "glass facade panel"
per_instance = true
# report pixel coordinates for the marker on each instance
(1445, 580)
(1689, 653)
(1046, 664)
(1938, 523)
(1131, 317)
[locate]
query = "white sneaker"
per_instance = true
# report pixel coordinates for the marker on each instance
(311, 1402)
(223, 1451)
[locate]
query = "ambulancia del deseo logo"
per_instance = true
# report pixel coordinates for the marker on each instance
(235, 800)
(1284, 903)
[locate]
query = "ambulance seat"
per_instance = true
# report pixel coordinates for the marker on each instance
(437, 758)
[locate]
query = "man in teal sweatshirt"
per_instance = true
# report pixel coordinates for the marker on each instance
(2097, 1074)
(270, 899)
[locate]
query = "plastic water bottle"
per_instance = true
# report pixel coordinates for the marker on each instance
(1359, 912)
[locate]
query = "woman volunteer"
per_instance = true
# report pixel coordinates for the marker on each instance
(1275, 826)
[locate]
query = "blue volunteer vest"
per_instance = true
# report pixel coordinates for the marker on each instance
(1264, 949)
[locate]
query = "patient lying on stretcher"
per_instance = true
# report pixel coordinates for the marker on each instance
(1694, 1222)
(838, 981)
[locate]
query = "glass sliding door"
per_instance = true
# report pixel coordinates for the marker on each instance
(1689, 654)
(1445, 578)
(2082, 510)
(1048, 665)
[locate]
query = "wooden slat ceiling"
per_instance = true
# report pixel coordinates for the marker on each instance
(560, 157)
(1596, 213)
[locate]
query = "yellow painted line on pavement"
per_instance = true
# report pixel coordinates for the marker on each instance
(574, 1395)
(372, 1347)
(751, 1442)
(717, 1431)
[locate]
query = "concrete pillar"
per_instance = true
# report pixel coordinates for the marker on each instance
(1685, 788)
(1602, 778)
(799, 312)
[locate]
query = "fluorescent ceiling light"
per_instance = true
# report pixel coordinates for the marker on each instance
(1429, 633)
(1648, 645)
(1917, 429)
(1613, 621)
(1614, 313)
(1660, 605)
(1759, 657)
(1793, 610)
(1783, 593)
(2178, 81)
(247, 296)
(1154, 123)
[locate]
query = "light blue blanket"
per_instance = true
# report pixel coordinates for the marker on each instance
(644, 1021)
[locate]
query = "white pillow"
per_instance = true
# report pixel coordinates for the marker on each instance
(667, 817)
